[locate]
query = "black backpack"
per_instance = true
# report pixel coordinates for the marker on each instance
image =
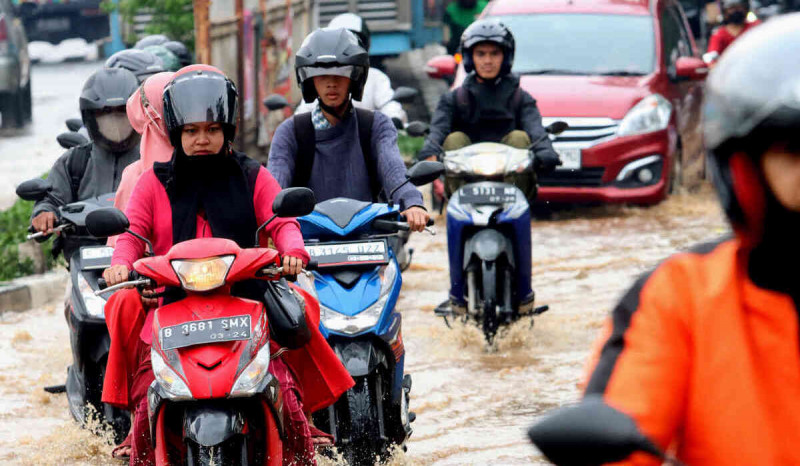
(76, 167)
(305, 135)
(463, 104)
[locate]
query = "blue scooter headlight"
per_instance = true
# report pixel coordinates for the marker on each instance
(366, 319)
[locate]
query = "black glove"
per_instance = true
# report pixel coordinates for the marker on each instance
(545, 162)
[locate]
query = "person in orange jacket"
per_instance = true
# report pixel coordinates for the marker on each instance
(704, 352)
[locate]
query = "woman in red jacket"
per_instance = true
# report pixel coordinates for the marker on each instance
(207, 189)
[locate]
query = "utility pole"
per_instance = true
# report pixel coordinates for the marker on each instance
(202, 31)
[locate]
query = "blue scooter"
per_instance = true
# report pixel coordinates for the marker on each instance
(357, 281)
(489, 186)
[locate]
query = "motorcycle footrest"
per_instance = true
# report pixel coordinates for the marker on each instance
(541, 310)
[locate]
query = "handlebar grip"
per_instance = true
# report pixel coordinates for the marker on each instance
(430, 222)
(31, 229)
(312, 265)
(101, 283)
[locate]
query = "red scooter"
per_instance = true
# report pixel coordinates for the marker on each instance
(213, 400)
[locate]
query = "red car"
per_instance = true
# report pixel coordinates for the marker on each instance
(627, 77)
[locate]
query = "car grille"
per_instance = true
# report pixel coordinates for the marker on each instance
(584, 132)
(376, 12)
(587, 177)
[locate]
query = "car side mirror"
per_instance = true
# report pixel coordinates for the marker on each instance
(74, 124)
(441, 67)
(425, 172)
(294, 202)
(590, 432)
(556, 127)
(109, 221)
(691, 68)
(418, 129)
(275, 102)
(404, 94)
(34, 190)
(69, 139)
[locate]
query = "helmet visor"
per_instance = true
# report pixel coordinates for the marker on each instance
(311, 71)
(196, 98)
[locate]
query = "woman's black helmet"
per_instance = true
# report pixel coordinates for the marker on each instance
(331, 52)
(102, 103)
(355, 24)
(142, 64)
(199, 95)
(180, 51)
(154, 39)
(488, 30)
(752, 99)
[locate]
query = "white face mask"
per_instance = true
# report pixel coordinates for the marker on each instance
(114, 126)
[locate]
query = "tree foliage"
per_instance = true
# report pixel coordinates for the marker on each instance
(173, 18)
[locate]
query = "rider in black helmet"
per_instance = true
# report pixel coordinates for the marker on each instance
(335, 150)
(141, 63)
(96, 167)
(153, 39)
(489, 106)
(180, 51)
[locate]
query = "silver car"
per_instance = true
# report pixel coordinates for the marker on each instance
(15, 69)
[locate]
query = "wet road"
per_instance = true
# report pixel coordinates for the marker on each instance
(31, 151)
(472, 403)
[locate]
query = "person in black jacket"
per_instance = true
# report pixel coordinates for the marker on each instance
(489, 106)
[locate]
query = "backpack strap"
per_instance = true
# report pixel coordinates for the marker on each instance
(516, 100)
(78, 160)
(305, 135)
(365, 120)
(462, 102)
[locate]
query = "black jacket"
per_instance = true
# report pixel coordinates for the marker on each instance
(490, 117)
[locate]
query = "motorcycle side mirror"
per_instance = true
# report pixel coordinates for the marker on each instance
(109, 221)
(34, 190)
(425, 172)
(398, 123)
(70, 139)
(404, 94)
(590, 432)
(275, 102)
(74, 124)
(418, 129)
(557, 127)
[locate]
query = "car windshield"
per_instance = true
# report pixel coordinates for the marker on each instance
(582, 44)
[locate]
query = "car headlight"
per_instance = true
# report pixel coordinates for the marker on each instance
(202, 274)
(95, 305)
(367, 318)
(651, 114)
(174, 387)
(455, 164)
(488, 164)
(519, 162)
(248, 381)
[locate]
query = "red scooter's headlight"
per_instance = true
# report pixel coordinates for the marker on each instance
(203, 274)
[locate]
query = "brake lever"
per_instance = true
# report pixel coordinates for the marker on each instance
(431, 230)
(278, 271)
(41, 234)
(119, 286)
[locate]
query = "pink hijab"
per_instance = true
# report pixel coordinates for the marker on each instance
(145, 112)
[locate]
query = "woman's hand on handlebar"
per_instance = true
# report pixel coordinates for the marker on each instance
(116, 274)
(417, 218)
(44, 222)
(292, 265)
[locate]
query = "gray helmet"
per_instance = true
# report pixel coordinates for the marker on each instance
(331, 52)
(180, 51)
(752, 98)
(732, 3)
(488, 30)
(142, 64)
(102, 103)
(355, 24)
(153, 39)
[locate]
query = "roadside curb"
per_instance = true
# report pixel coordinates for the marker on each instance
(33, 291)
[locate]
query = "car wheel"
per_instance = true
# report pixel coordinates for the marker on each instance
(27, 101)
(676, 174)
(12, 110)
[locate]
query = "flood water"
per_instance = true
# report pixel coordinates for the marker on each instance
(473, 403)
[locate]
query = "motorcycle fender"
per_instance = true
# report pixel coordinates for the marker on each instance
(100, 348)
(488, 245)
(211, 425)
(360, 357)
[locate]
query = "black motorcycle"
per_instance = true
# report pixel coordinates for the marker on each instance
(86, 257)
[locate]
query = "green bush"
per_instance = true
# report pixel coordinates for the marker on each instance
(13, 229)
(173, 18)
(409, 146)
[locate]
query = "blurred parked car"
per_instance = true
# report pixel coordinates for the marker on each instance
(15, 69)
(626, 76)
(49, 21)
